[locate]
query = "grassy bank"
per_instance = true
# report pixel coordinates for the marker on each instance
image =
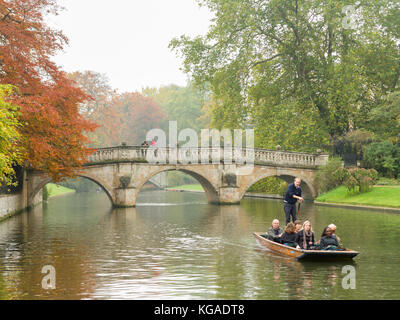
(55, 190)
(188, 187)
(388, 196)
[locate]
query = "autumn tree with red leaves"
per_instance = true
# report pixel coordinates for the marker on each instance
(125, 117)
(53, 132)
(140, 115)
(100, 107)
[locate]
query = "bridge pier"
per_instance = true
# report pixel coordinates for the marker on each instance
(229, 195)
(125, 197)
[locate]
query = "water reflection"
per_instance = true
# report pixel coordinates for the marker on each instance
(176, 246)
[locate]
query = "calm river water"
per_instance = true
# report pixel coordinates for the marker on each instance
(176, 246)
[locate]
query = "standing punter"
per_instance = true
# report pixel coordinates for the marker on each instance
(293, 194)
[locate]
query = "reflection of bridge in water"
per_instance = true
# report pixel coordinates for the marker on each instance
(122, 171)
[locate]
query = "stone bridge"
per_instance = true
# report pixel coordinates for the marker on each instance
(122, 171)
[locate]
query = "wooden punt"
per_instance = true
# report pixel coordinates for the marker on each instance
(300, 254)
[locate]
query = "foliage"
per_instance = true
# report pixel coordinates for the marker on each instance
(99, 107)
(181, 104)
(330, 176)
(351, 184)
(295, 67)
(384, 157)
(353, 143)
(52, 136)
(125, 117)
(289, 127)
(385, 119)
(45, 193)
(271, 185)
(334, 175)
(80, 185)
(387, 182)
(139, 114)
(362, 178)
(10, 153)
(176, 178)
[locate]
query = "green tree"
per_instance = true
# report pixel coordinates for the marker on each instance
(181, 104)
(9, 150)
(385, 119)
(296, 63)
(383, 157)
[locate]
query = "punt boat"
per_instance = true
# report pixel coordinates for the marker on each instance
(299, 254)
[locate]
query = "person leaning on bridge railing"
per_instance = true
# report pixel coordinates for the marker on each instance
(144, 146)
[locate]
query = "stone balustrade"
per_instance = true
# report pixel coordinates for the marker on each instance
(206, 156)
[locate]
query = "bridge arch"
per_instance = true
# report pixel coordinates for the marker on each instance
(210, 190)
(307, 187)
(45, 180)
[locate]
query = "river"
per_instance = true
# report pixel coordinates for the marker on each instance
(177, 246)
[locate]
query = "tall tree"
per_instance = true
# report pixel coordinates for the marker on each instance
(140, 114)
(181, 104)
(52, 137)
(100, 108)
(125, 117)
(298, 57)
(10, 154)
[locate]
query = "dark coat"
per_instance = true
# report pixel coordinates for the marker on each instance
(291, 191)
(288, 238)
(300, 239)
(328, 241)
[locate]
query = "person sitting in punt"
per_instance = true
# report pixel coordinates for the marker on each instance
(298, 225)
(305, 237)
(288, 238)
(274, 233)
(333, 228)
(329, 242)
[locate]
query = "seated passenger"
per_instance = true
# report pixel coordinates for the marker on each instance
(288, 238)
(274, 233)
(305, 237)
(328, 242)
(297, 224)
(324, 232)
(333, 228)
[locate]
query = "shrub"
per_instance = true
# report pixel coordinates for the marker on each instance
(351, 184)
(330, 176)
(374, 175)
(334, 175)
(271, 185)
(365, 184)
(384, 157)
(341, 174)
(362, 178)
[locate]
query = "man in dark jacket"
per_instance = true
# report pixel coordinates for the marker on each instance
(293, 194)
(274, 233)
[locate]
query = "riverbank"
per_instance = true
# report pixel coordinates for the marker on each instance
(378, 198)
(197, 188)
(13, 204)
(55, 190)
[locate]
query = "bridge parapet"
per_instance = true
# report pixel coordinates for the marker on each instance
(208, 155)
